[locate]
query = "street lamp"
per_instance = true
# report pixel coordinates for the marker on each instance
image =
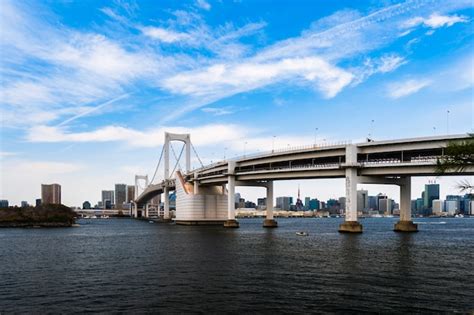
(225, 150)
(447, 122)
(245, 147)
(273, 144)
(315, 136)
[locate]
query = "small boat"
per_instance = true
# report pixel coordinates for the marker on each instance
(301, 233)
(151, 221)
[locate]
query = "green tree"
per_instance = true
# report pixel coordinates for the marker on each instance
(458, 156)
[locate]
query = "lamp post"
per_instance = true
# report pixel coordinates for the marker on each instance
(447, 122)
(245, 148)
(273, 144)
(315, 136)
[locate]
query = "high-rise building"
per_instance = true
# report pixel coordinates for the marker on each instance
(431, 193)
(3, 203)
(284, 203)
(306, 202)
(130, 193)
(38, 202)
(51, 194)
(372, 200)
(452, 206)
(262, 203)
(107, 195)
(342, 203)
(362, 200)
(120, 195)
(24, 204)
(385, 205)
(438, 207)
(314, 204)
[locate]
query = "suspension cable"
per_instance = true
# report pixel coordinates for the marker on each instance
(157, 166)
(177, 160)
(174, 153)
(195, 152)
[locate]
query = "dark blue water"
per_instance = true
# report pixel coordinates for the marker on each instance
(133, 266)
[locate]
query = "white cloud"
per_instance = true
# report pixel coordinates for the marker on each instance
(329, 79)
(435, 20)
(408, 87)
(218, 111)
(164, 35)
(203, 4)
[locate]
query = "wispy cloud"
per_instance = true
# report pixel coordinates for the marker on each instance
(435, 20)
(404, 88)
(203, 4)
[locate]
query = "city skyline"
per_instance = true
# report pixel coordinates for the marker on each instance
(88, 89)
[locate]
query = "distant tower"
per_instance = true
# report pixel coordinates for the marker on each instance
(299, 204)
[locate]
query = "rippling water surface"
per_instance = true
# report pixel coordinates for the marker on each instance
(134, 266)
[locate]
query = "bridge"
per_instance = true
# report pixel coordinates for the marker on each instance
(206, 195)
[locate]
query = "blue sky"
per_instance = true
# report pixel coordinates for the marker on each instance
(89, 87)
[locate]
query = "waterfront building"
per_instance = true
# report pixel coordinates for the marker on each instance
(86, 205)
(24, 204)
(250, 204)
(108, 195)
(38, 202)
(451, 206)
(314, 204)
(342, 203)
(130, 193)
(379, 197)
(306, 202)
(372, 203)
(431, 193)
(120, 195)
(438, 206)
(262, 203)
(3, 203)
(362, 200)
(51, 194)
(385, 206)
(284, 203)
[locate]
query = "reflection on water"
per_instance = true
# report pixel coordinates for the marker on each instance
(133, 266)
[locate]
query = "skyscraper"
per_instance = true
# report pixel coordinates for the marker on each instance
(431, 193)
(107, 195)
(120, 195)
(3, 203)
(362, 200)
(51, 194)
(130, 193)
(284, 203)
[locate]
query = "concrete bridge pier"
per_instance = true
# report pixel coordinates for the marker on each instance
(145, 210)
(405, 224)
(270, 222)
(351, 225)
(231, 221)
(166, 201)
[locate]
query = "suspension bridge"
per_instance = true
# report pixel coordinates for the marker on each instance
(206, 195)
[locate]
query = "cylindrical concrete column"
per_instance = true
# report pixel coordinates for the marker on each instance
(405, 224)
(351, 194)
(269, 222)
(351, 225)
(231, 198)
(405, 200)
(146, 210)
(166, 214)
(270, 200)
(231, 222)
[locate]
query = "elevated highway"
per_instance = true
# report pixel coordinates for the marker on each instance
(383, 162)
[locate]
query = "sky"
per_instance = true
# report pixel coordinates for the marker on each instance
(88, 88)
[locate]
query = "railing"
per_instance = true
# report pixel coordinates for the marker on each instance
(326, 145)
